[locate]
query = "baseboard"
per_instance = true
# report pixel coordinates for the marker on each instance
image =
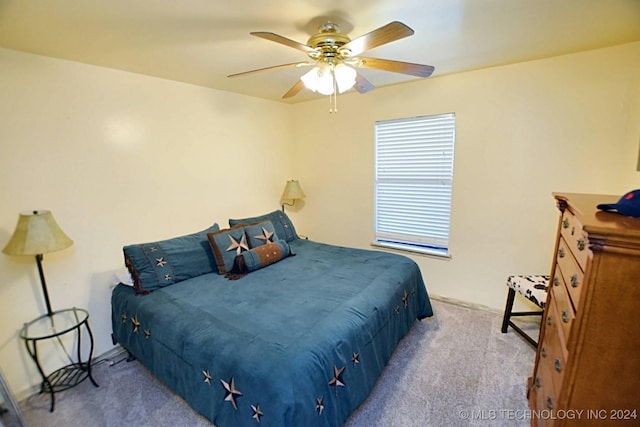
(466, 304)
(23, 394)
(115, 353)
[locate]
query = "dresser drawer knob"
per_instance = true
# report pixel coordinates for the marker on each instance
(558, 365)
(549, 402)
(565, 223)
(574, 280)
(549, 320)
(537, 382)
(543, 352)
(581, 244)
(573, 231)
(565, 316)
(556, 281)
(561, 252)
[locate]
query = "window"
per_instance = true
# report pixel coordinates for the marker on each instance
(414, 174)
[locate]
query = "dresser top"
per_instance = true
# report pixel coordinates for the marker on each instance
(593, 220)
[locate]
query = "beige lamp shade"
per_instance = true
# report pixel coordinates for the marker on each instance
(293, 191)
(37, 233)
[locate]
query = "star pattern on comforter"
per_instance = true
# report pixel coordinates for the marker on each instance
(231, 392)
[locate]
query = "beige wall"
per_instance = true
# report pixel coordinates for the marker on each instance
(119, 158)
(122, 158)
(523, 131)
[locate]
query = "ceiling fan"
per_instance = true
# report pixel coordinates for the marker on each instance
(335, 58)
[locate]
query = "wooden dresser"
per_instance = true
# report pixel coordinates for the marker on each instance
(587, 368)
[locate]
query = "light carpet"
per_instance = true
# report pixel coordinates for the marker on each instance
(453, 369)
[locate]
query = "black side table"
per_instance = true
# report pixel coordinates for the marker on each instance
(54, 326)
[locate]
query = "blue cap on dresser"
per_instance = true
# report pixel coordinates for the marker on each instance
(628, 205)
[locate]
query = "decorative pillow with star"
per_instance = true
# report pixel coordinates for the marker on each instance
(282, 224)
(158, 264)
(260, 234)
(226, 245)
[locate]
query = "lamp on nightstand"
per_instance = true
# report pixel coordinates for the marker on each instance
(292, 191)
(37, 233)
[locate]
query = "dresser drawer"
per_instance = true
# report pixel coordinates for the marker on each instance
(545, 395)
(553, 352)
(576, 239)
(565, 308)
(571, 273)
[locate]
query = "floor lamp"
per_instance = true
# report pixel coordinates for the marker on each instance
(37, 233)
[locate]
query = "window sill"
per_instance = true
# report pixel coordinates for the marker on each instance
(435, 253)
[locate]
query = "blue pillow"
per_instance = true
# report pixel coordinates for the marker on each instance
(158, 264)
(262, 256)
(282, 224)
(260, 234)
(226, 245)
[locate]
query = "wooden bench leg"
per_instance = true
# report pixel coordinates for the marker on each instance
(507, 310)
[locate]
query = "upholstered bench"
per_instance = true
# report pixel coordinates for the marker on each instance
(532, 287)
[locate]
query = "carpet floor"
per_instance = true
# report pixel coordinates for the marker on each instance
(453, 369)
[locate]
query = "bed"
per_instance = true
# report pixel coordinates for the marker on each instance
(295, 341)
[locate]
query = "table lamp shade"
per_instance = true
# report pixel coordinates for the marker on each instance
(37, 233)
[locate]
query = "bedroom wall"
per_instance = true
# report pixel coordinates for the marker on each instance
(122, 158)
(118, 158)
(523, 131)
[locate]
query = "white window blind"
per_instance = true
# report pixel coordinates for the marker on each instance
(414, 175)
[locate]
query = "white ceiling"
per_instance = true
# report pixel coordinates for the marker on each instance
(203, 41)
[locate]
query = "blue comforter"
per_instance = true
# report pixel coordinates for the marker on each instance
(298, 343)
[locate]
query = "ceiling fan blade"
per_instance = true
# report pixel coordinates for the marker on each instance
(297, 87)
(275, 67)
(362, 85)
(386, 34)
(282, 40)
(418, 70)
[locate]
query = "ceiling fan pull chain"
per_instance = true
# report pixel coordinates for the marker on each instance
(333, 108)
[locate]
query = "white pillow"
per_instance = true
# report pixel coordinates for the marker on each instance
(122, 276)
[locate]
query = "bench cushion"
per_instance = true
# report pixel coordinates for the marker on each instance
(532, 287)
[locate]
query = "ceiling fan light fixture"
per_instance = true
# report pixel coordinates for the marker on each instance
(321, 78)
(345, 77)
